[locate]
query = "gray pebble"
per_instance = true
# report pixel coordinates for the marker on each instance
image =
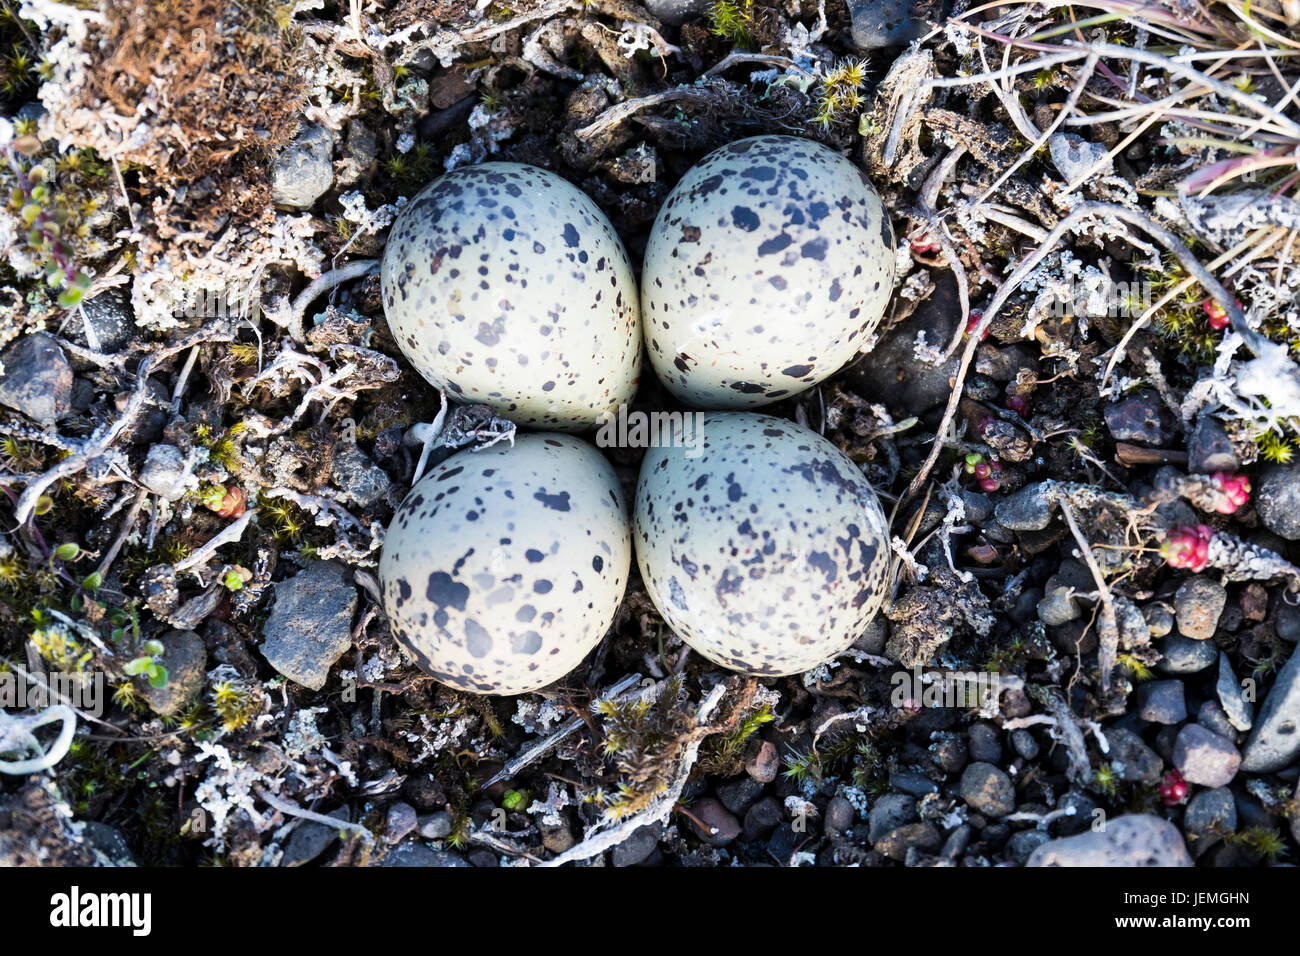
(1210, 810)
(988, 789)
(1209, 449)
(1204, 757)
(639, 845)
(1240, 711)
(185, 657)
(1058, 607)
(890, 812)
(310, 625)
(1182, 655)
(1277, 500)
(1133, 840)
(37, 379)
(1198, 605)
(304, 170)
(1132, 758)
(1161, 702)
(985, 742)
(1275, 741)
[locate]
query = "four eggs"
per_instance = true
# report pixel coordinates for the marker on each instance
(768, 268)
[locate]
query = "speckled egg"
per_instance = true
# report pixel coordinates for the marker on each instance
(506, 285)
(503, 567)
(768, 553)
(768, 268)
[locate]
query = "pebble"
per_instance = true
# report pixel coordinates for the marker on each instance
(1198, 605)
(165, 473)
(417, 854)
(716, 825)
(1160, 620)
(304, 170)
(358, 477)
(1058, 607)
(1239, 711)
(1022, 845)
(1132, 759)
(310, 625)
(739, 794)
(1287, 621)
(105, 323)
(639, 845)
(885, 23)
(1140, 418)
(988, 789)
(1182, 655)
(1275, 741)
(435, 826)
(110, 841)
(37, 379)
(401, 821)
(558, 838)
(1161, 702)
(676, 12)
(764, 764)
(1209, 449)
(1277, 500)
(1212, 717)
(922, 836)
(1024, 743)
(1133, 840)
(1209, 810)
(761, 819)
(890, 812)
(186, 659)
(1026, 510)
(1076, 158)
(840, 815)
(1205, 758)
(310, 839)
(911, 782)
(985, 742)
(950, 753)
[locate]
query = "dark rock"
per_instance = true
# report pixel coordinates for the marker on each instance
(1182, 655)
(483, 859)
(1212, 717)
(839, 815)
(1205, 758)
(890, 373)
(401, 822)
(1275, 741)
(360, 479)
(1140, 418)
(1277, 500)
(417, 854)
(1022, 845)
(1058, 607)
(639, 845)
(1210, 810)
(1132, 758)
(1026, 510)
(764, 763)
(988, 789)
(105, 323)
(557, 838)
(761, 819)
(1287, 622)
(985, 742)
(37, 379)
(1133, 840)
(1161, 702)
(737, 795)
(310, 839)
(186, 658)
(713, 823)
(923, 836)
(885, 23)
(310, 625)
(435, 826)
(1160, 620)
(951, 754)
(676, 12)
(1024, 743)
(1209, 449)
(910, 782)
(889, 813)
(1198, 605)
(304, 170)
(1232, 697)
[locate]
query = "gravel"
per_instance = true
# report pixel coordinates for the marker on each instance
(1132, 758)
(1209, 810)
(713, 823)
(764, 764)
(884, 23)
(1209, 449)
(1026, 510)
(166, 473)
(185, 658)
(1182, 655)
(739, 794)
(923, 836)
(1133, 840)
(988, 789)
(985, 742)
(1058, 607)
(1205, 758)
(362, 481)
(1232, 697)
(304, 170)
(1277, 500)
(1161, 702)
(1074, 157)
(414, 854)
(1275, 741)
(1140, 418)
(677, 12)
(37, 379)
(890, 812)
(1198, 605)
(310, 625)
(639, 845)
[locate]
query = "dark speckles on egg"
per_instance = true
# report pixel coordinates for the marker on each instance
(766, 578)
(762, 236)
(489, 616)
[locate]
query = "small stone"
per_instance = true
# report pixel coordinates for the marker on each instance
(1212, 717)
(639, 845)
(1058, 607)
(1287, 621)
(310, 839)
(304, 170)
(1132, 758)
(1077, 159)
(105, 323)
(885, 23)
(1277, 500)
(1160, 620)
(166, 473)
(923, 836)
(1161, 702)
(1275, 741)
(985, 742)
(1240, 711)
(839, 815)
(436, 825)
(401, 821)
(362, 481)
(737, 795)
(109, 841)
(1182, 655)
(1139, 418)
(1210, 810)
(1024, 743)
(186, 658)
(713, 823)
(1133, 840)
(761, 819)
(557, 839)
(36, 378)
(484, 859)
(911, 782)
(988, 789)
(310, 625)
(1022, 845)
(1026, 510)
(1198, 605)
(1205, 758)
(764, 765)
(676, 12)
(1209, 449)
(890, 812)
(412, 854)
(951, 754)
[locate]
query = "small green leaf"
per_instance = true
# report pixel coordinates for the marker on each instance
(67, 551)
(153, 648)
(43, 504)
(137, 666)
(91, 582)
(158, 676)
